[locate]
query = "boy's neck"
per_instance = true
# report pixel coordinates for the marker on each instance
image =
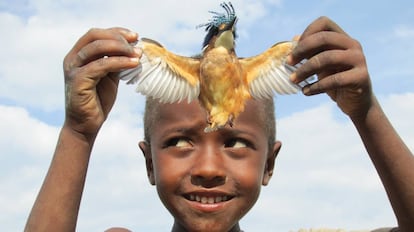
(179, 228)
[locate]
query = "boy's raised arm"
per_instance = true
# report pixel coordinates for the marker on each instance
(90, 92)
(339, 63)
(393, 161)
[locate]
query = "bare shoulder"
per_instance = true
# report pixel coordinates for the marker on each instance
(341, 230)
(395, 229)
(117, 229)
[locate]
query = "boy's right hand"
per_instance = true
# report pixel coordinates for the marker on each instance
(90, 89)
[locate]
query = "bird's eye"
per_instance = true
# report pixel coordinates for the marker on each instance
(178, 142)
(236, 143)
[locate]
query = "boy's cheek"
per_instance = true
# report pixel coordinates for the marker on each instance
(167, 168)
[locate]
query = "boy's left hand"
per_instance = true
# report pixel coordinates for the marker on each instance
(338, 61)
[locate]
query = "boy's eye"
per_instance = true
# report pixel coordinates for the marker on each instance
(178, 142)
(236, 143)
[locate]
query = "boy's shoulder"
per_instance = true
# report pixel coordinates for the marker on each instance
(117, 229)
(342, 230)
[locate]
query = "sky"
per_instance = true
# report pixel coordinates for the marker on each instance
(323, 176)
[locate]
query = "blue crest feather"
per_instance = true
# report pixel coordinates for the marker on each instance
(212, 26)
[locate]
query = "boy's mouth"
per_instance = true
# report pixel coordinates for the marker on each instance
(207, 199)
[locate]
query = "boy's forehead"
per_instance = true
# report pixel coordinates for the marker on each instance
(254, 112)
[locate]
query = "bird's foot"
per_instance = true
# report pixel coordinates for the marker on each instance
(230, 120)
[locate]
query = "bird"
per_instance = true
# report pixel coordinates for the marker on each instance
(218, 78)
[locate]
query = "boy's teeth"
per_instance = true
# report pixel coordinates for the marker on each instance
(207, 200)
(218, 199)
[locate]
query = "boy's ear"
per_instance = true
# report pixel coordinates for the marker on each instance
(146, 151)
(270, 162)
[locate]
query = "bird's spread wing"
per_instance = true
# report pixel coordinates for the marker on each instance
(164, 75)
(267, 72)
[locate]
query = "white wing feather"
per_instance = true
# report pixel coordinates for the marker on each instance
(156, 79)
(268, 72)
(273, 79)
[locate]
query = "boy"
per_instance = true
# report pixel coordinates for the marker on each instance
(208, 181)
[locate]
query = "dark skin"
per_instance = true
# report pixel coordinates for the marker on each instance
(336, 58)
(184, 162)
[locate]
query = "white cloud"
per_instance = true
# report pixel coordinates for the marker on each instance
(26, 147)
(31, 73)
(22, 133)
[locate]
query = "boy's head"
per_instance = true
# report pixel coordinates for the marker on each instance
(208, 181)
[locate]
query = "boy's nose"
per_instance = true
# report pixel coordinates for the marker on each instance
(209, 170)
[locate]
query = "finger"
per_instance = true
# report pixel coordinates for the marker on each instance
(335, 81)
(101, 48)
(116, 33)
(329, 60)
(322, 24)
(99, 68)
(120, 34)
(317, 43)
(106, 93)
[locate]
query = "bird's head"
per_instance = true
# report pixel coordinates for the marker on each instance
(221, 29)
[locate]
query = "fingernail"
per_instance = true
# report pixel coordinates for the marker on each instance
(296, 38)
(132, 33)
(138, 51)
(293, 77)
(306, 90)
(134, 59)
(289, 59)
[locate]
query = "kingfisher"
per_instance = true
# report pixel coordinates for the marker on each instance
(220, 80)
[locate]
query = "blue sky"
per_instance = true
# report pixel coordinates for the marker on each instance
(323, 176)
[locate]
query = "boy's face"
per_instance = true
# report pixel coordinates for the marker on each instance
(208, 181)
